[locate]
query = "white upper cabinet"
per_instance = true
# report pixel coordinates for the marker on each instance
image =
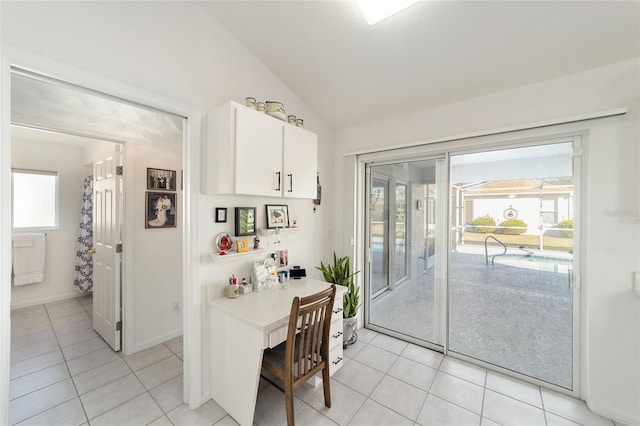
(250, 153)
(258, 153)
(300, 162)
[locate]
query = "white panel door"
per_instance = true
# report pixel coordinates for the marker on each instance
(106, 262)
(258, 152)
(300, 163)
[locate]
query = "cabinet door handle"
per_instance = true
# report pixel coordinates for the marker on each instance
(337, 361)
(290, 182)
(338, 334)
(278, 181)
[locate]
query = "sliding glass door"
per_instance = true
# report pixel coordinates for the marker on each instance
(402, 296)
(510, 288)
(474, 253)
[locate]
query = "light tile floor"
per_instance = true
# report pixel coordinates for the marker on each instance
(63, 374)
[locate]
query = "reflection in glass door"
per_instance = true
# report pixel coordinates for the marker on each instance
(379, 235)
(511, 299)
(403, 298)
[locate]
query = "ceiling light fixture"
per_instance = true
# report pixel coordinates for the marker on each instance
(375, 11)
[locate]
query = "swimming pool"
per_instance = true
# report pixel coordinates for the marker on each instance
(538, 262)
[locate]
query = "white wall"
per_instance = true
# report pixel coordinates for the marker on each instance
(156, 269)
(611, 313)
(185, 55)
(177, 50)
(60, 253)
(158, 252)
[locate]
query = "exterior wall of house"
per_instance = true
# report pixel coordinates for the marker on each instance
(610, 375)
(528, 209)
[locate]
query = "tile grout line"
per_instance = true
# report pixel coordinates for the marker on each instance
(484, 395)
(70, 377)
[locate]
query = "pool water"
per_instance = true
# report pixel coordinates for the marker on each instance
(560, 265)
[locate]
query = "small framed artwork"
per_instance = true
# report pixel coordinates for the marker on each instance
(158, 179)
(245, 221)
(242, 246)
(221, 214)
(160, 210)
(284, 258)
(277, 216)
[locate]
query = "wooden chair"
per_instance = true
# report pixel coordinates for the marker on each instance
(306, 350)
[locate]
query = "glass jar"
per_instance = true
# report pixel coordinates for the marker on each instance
(291, 119)
(250, 102)
(261, 106)
(300, 122)
(276, 109)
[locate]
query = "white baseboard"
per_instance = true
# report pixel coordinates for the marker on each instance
(203, 398)
(146, 344)
(41, 301)
(615, 415)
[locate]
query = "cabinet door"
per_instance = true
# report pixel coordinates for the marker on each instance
(300, 163)
(258, 154)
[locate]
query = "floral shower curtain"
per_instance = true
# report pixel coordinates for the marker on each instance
(83, 277)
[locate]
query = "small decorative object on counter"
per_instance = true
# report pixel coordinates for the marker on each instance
(244, 287)
(261, 107)
(251, 103)
(283, 279)
(294, 224)
(276, 109)
(242, 246)
(300, 122)
(232, 288)
(224, 242)
(263, 276)
(291, 119)
(256, 243)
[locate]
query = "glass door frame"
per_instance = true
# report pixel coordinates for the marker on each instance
(365, 163)
(443, 150)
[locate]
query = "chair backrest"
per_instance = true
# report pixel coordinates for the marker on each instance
(308, 334)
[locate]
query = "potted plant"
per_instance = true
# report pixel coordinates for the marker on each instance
(340, 274)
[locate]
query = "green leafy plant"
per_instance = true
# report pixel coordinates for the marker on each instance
(340, 274)
(483, 224)
(509, 223)
(567, 225)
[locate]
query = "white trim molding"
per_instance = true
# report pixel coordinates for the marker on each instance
(492, 132)
(192, 298)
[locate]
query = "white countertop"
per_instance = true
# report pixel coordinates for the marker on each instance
(268, 309)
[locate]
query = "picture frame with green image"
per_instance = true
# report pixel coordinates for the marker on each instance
(245, 221)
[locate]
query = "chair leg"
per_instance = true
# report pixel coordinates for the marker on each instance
(326, 384)
(288, 397)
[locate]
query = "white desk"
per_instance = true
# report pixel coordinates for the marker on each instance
(240, 329)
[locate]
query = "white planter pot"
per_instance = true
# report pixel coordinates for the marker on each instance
(349, 335)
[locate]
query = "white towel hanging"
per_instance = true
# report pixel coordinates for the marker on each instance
(28, 258)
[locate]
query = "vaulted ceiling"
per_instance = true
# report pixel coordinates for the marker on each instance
(433, 53)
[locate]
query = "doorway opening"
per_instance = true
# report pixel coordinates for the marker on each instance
(490, 265)
(149, 138)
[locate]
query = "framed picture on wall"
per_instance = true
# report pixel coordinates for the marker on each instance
(221, 214)
(160, 210)
(245, 221)
(277, 216)
(159, 179)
